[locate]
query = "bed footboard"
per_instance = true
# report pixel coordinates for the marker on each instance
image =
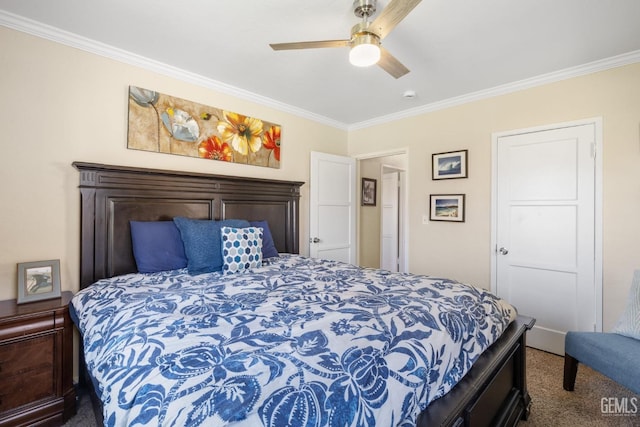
(494, 392)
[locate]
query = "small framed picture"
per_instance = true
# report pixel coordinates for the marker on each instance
(368, 192)
(38, 280)
(450, 165)
(446, 207)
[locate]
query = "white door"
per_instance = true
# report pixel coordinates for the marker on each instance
(545, 230)
(332, 210)
(389, 221)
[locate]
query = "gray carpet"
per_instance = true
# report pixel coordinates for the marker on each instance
(84, 413)
(551, 405)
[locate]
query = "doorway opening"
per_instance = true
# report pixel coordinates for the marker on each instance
(382, 228)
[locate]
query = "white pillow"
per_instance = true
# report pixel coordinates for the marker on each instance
(241, 248)
(629, 323)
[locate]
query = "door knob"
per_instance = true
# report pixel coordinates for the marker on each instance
(503, 251)
(314, 240)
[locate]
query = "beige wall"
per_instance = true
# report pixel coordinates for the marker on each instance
(462, 251)
(62, 105)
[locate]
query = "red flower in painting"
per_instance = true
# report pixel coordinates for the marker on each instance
(214, 149)
(271, 141)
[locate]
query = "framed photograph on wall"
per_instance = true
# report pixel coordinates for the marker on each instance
(446, 207)
(38, 280)
(368, 192)
(450, 165)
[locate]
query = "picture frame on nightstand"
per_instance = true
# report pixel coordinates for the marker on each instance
(38, 280)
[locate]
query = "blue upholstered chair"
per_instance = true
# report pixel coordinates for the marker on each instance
(614, 354)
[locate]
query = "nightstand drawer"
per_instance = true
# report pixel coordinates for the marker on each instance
(28, 366)
(26, 325)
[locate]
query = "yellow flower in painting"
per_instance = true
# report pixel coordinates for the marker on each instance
(214, 149)
(242, 132)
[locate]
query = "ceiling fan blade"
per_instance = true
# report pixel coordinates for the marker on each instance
(309, 45)
(391, 65)
(391, 16)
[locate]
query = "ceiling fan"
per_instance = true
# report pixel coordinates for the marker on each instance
(366, 36)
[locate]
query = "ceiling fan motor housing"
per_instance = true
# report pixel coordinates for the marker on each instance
(363, 29)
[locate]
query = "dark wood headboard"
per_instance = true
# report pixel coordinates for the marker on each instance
(111, 196)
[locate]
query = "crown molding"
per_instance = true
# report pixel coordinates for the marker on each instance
(57, 35)
(556, 76)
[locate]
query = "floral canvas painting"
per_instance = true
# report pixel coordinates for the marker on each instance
(165, 124)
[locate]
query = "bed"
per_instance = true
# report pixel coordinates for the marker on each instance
(271, 362)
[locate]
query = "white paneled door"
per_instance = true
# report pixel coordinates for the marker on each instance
(545, 230)
(332, 210)
(389, 221)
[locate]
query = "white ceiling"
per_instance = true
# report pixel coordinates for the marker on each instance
(455, 49)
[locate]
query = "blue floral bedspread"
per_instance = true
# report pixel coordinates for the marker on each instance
(297, 342)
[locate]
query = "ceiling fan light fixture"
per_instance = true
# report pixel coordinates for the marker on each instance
(365, 50)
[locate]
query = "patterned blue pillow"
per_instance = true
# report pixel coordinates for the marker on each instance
(241, 248)
(201, 240)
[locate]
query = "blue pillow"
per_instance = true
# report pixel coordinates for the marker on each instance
(268, 246)
(202, 242)
(157, 246)
(241, 248)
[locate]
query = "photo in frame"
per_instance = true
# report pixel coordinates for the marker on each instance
(38, 280)
(368, 192)
(449, 165)
(446, 207)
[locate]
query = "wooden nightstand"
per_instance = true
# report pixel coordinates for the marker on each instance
(36, 363)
